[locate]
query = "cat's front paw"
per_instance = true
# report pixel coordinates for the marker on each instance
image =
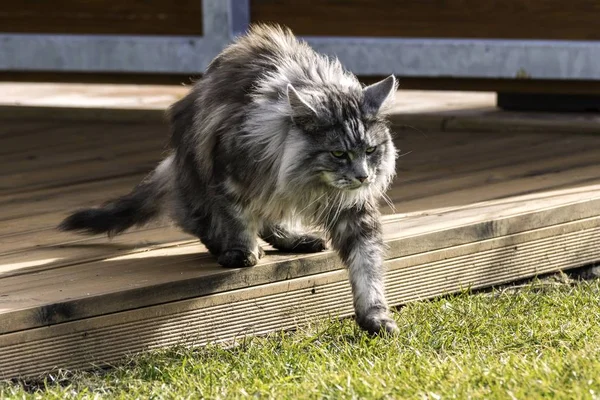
(238, 258)
(377, 322)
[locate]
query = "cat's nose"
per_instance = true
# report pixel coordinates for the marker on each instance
(362, 179)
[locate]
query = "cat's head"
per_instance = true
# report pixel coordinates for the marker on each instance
(347, 144)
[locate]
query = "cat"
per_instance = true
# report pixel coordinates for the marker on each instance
(271, 135)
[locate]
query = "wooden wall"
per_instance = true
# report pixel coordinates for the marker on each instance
(127, 17)
(501, 19)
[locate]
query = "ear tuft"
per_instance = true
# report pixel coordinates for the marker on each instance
(378, 96)
(303, 114)
(300, 107)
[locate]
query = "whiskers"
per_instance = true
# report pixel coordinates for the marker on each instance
(380, 193)
(311, 203)
(414, 128)
(404, 154)
(389, 202)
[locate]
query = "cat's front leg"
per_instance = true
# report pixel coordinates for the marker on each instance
(357, 237)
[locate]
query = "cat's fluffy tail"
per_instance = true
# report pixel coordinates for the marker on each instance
(144, 203)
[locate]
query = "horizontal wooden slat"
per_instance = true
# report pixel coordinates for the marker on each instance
(133, 17)
(496, 19)
(418, 83)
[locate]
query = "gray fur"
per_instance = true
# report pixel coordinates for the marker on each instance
(275, 135)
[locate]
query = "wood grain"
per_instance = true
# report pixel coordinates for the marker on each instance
(133, 17)
(498, 19)
(420, 83)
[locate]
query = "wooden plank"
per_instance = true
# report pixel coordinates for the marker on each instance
(90, 249)
(494, 85)
(418, 83)
(446, 191)
(29, 246)
(494, 19)
(56, 137)
(137, 17)
(460, 196)
(424, 157)
(549, 163)
(226, 316)
(31, 211)
(67, 249)
(22, 128)
(88, 152)
(457, 196)
(78, 136)
(74, 97)
(458, 144)
(97, 78)
(42, 159)
(137, 163)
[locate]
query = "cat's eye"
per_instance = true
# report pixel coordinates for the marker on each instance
(338, 154)
(369, 150)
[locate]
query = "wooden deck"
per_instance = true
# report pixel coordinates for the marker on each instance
(472, 209)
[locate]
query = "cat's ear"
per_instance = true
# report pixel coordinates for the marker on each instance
(379, 95)
(301, 110)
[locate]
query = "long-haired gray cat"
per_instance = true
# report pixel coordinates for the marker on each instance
(273, 134)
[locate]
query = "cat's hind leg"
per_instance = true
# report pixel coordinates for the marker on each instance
(287, 240)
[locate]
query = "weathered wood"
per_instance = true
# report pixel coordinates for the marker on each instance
(86, 170)
(57, 249)
(39, 209)
(477, 209)
(77, 136)
(22, 128)
(495, 19)
(419, 83)
(226, 316)
(168, 274)
(138, 17)
(494, 85)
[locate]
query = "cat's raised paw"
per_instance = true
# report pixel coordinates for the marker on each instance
(378, 323)
(237, 259)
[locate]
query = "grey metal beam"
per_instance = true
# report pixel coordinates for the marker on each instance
(465, 58)
(78, 53)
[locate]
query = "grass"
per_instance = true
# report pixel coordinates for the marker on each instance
(539, 341)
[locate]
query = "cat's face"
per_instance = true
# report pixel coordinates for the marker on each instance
(353, 156)
(348, 146)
